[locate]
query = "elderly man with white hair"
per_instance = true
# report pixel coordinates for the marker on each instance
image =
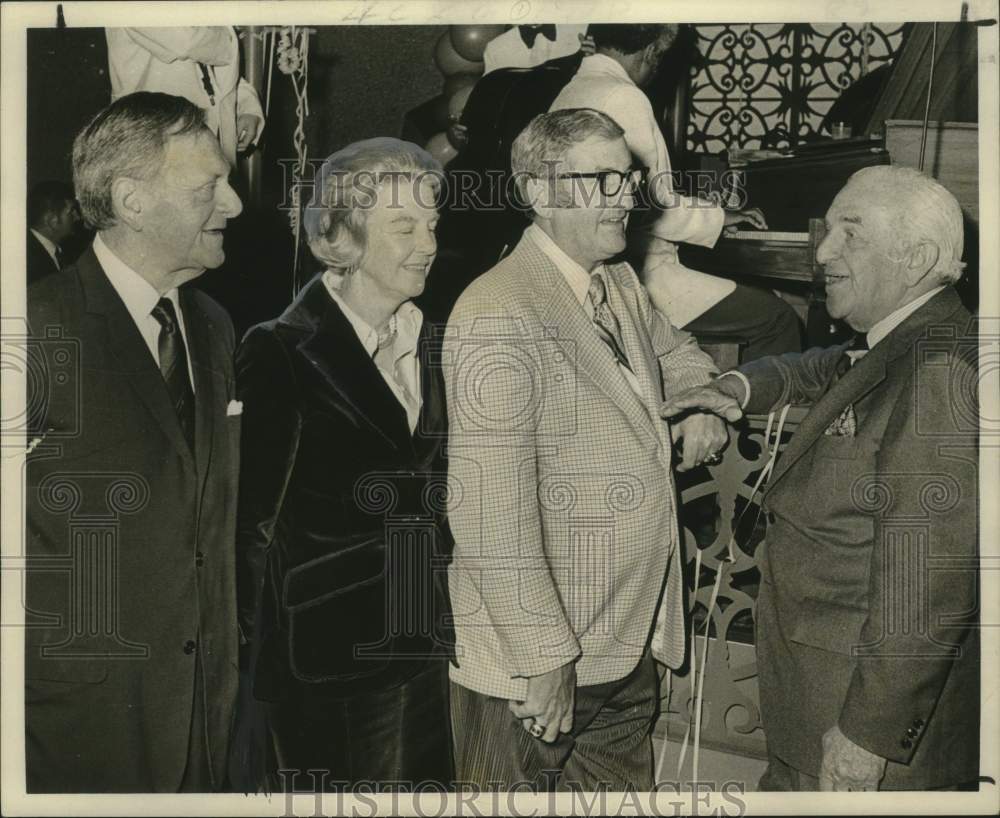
(867, 644)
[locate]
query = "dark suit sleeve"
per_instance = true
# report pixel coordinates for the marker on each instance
(799, 378)
(922, 587)
(272, 422)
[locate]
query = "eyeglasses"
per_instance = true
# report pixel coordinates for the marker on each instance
(611, 181)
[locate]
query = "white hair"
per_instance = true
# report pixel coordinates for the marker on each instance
(919, 210)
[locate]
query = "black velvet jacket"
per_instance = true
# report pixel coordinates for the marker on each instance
(341, 536)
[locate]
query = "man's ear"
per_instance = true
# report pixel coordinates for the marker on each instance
(127, 202)
(541, 196)
(920, 261)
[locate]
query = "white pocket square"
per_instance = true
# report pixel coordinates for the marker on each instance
(234, 408)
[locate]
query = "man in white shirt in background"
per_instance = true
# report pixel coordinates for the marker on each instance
(528, 46)
(199, 63)
(611, 81)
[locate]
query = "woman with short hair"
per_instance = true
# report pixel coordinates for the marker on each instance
(342, 540)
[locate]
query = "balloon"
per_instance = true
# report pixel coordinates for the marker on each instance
(441, 148)
(449, 61)
(456, 102)
(470, 41)
(456, 82)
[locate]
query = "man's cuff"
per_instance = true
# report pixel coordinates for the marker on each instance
(731, 390)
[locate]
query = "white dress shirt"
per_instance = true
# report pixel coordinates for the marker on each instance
(680, 293)
(140, 298)
(404, 379)
(508, 50)
(48, 244)
(579, 282)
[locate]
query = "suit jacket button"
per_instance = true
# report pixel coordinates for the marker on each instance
(199, 559)
(906, 744)
(770, 518)
(911, 732)
(190, 646)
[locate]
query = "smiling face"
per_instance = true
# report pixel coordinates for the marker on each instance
(185, 208)
(864, 269)
(588, 226)
(401, 243)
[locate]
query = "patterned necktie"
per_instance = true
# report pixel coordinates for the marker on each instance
(605, 320)
(846, 423)
(174, 367)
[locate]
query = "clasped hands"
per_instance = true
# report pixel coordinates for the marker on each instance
(702, 430)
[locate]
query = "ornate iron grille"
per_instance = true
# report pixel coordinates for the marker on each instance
(777, 80)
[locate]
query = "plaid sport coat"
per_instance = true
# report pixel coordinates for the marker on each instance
(561, 495)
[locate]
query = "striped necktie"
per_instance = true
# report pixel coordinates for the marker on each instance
(174, 367)
(605, 320)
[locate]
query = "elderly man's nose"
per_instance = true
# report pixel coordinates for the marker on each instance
(827, 249)
(229, 202)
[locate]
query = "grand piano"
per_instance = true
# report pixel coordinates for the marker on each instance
(795, 187)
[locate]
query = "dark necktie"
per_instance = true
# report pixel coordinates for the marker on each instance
(60, 259)
(530, 33)
(605, 320)
(174, 367)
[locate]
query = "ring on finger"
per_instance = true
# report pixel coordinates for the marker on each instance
(537, 730)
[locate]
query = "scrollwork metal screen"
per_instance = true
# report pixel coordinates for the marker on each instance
(777, 79)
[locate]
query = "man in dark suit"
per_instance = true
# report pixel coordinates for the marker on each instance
(53, 217)
(131, 646)
(867, 644)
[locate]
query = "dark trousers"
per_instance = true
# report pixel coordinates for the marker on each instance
(608, 748)
(397, 735)
(768, 325)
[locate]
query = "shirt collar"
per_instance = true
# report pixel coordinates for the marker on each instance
(577, 278)
(50, 246)
(894, 319)
(603, 64)
(409, 320)
(139, 295)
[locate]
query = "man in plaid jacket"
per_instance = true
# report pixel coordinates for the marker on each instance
(561, 495)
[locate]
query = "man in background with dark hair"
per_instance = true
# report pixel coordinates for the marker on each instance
(53, 217)
(133, 457)
(611, 81)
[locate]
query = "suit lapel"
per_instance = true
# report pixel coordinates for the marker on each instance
(336, 353)
(432, 424)
(199, 337)
(128, 349)
(574, 332)
(637, 342)
(863, 377)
